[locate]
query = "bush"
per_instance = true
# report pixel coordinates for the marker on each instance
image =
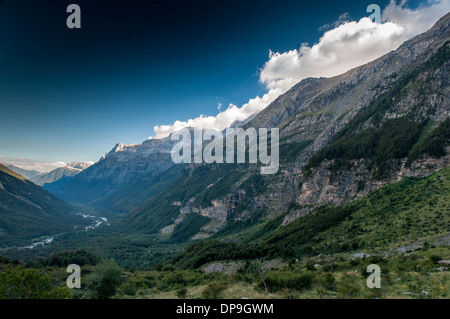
(175, 278)
(276, 280)
(348, 287)
(182, 293)
(435, 258)
(18, 283)
(213, 291)
(104, 281)
(327, 281)
(129, 288)
(159, 266)
(169, 268)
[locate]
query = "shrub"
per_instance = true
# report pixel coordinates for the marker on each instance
(129, 288)
(327, 281)
(169, 267)
(18, 283)
(276, 280)
(159, 266)
(182, 293)
(435, 258)
(104, 281)
(348, 287)
(213, 291)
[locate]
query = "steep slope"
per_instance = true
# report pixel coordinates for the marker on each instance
(400, 217)
(27, 211)
(55, 175)
(340, 138)
(28, 174)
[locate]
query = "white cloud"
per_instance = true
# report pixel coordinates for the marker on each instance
(339, 50)
(348, 45)
(418, 20)
(36, 165)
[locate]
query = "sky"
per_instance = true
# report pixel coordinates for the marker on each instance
(140, 69)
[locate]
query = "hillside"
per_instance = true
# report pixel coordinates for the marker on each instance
(55, 175)
(28, 174)
(400, 217)
(341, 138)
(28, 212)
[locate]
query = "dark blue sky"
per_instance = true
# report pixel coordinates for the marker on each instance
(71, 94)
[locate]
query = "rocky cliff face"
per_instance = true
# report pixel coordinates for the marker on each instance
(315, 111)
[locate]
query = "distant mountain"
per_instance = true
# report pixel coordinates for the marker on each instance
(28, 174)
(28, 212)
(71, 169)
(340, 138)
(79, 165)
(131, 172)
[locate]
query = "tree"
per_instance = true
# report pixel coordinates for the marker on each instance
(104, 281)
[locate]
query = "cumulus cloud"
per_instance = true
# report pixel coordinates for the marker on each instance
(345, 47)
(348, 45)
(418, 20)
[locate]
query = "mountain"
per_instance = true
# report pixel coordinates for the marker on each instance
(28, 174)
(78, 165)
(340, 138)
(71, 169)
(126, 172)
(399, 217)
(28, 212)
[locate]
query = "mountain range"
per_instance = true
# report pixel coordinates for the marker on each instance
(341, 139)
(70, 169)
(29, 212)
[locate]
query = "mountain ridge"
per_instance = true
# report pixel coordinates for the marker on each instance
(309, 116)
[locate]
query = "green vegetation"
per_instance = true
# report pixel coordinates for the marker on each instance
(278, 280)
(202, 182)
(289, 151)
(28, 213)
(400, 213)
(433, 144)
(190, 226)
(406, 275)
(20, 283)
(395, 227)
(103, 282)
(80, 257)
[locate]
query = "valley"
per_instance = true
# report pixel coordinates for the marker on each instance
(363, 178)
